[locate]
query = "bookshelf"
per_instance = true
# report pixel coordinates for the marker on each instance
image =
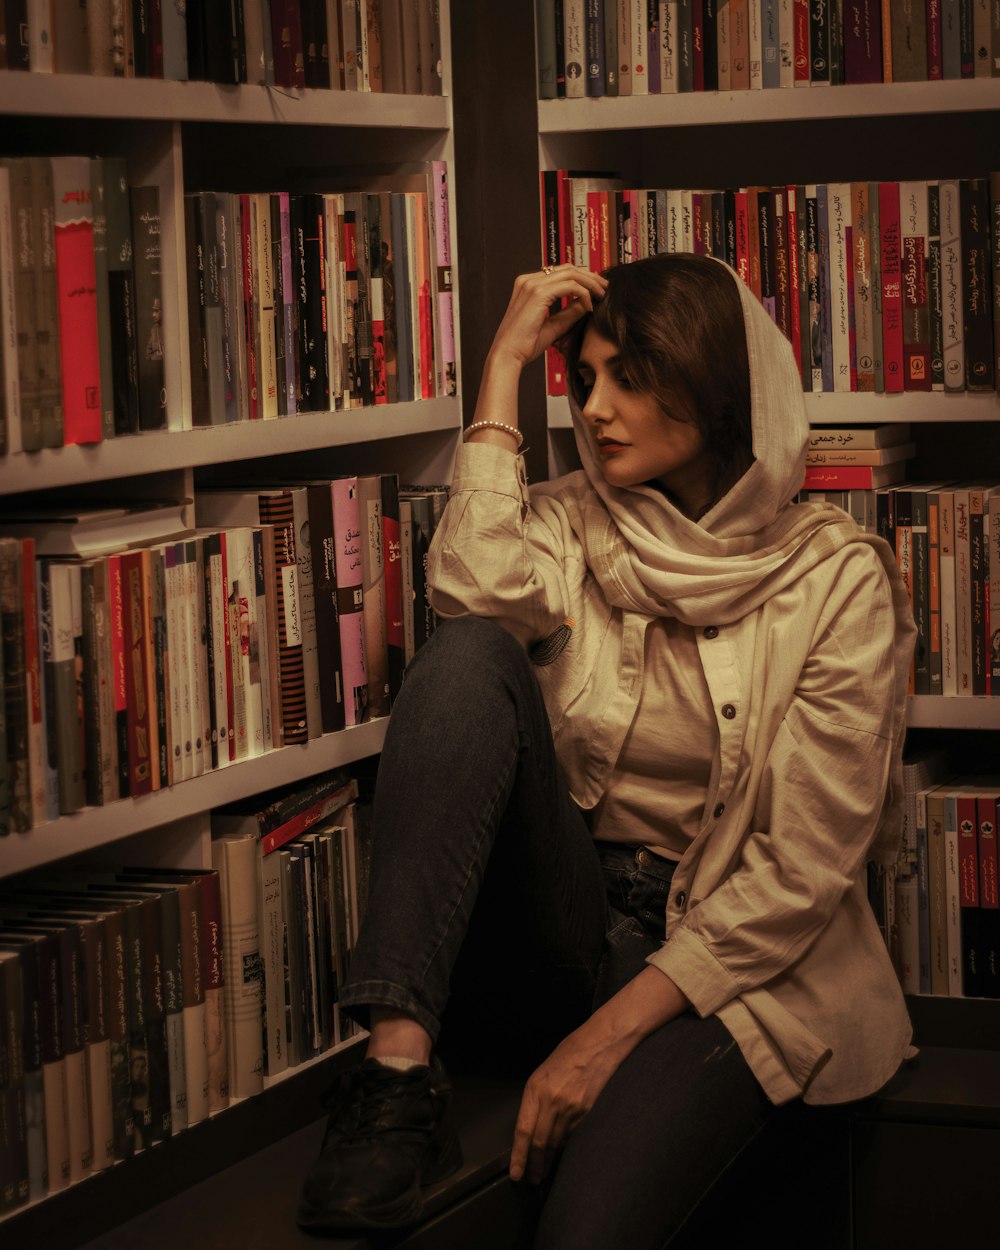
(183, 137)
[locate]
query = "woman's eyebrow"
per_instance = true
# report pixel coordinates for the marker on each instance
(610, 362)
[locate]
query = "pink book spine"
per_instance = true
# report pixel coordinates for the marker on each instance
(347, 538)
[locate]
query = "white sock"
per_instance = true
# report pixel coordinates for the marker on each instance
(398, 1062)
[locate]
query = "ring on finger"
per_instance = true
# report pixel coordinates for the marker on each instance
(546, 269)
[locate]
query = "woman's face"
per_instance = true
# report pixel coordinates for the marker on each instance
(635, 440)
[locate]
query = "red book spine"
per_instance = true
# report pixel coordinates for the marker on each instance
(427, 383)
(742, 236)
(800, 16)
(989, 899)
(555, 365)
(968, 865)
(228, 626)
(892, 297)
(935, 64)
(697, 213)
(77, 294)
(839, 477)
(594, 230)
(118, 679)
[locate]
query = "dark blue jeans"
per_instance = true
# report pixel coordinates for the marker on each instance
(496, 921)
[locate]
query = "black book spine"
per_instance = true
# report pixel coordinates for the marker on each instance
(977, 271)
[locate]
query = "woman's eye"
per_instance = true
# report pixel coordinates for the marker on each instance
(622, 381)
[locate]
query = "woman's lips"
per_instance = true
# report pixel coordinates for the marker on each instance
(607, 447)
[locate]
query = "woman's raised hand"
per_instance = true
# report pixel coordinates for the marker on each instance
(529, 325)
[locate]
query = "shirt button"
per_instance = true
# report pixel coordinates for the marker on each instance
(719, 809)
(711, 631)
(728, 711)
(680, 898)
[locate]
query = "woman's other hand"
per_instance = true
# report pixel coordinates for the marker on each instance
(561, 1092)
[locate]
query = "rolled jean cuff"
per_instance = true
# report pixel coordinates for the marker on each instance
(363, 995)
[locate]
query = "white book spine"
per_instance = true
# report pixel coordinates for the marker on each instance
(755, 19)
(640, 48)
(272, 943)
(786, 43)
(575, 47)
(839, 205)
(236, 861)
(953, 897)
(668, 47)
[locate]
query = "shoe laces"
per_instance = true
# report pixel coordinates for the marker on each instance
(366, 1103)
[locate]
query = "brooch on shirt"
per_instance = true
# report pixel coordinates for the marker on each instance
(550, 648)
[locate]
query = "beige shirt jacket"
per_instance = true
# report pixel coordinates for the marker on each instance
(768, 925)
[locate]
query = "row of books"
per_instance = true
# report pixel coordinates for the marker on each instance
(879, 286)
(290, 612)
(946, 536)
(941, 904)
(294, 865)
(314, 302)
(81, 311)
(134, 1001)
(601, 48)
(346, 45)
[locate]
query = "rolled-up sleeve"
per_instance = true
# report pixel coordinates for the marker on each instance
(493, 553)
(823, 789)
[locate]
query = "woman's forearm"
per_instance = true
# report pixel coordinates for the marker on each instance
(497, 400)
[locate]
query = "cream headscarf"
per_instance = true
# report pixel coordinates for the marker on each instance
(648, 557)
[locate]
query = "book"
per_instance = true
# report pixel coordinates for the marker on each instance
(14, 1173)
(80, 368)
(858, 437)
(348, 534)
(852, 477)
(147, 265)
(235, 860)
(272, 954)
(277, 507)
(46, 300)
(913, 266)
(892, 299)
(850, 456)
(121, 298)
(79, 528)
(952, 287)
(977, 271)
(279, 816)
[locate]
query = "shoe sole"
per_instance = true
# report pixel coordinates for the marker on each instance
(406, 1210)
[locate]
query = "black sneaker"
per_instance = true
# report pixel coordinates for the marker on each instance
(388, 1134)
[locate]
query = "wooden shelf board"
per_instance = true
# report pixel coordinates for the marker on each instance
(147, 99)
(97, 826)
(716, 108)
(936, 712)
(857, 409)
(162, 450)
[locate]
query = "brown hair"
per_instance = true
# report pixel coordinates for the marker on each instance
(677, 323)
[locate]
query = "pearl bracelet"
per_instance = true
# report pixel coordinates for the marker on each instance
(495, 425)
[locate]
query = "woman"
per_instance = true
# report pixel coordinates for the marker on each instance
(627, 794)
